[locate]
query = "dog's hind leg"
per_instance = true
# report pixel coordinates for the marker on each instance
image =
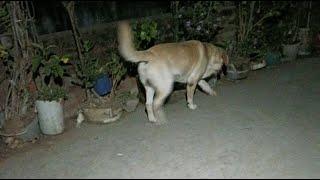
(149, 103)
(162, 92)
(206, 87)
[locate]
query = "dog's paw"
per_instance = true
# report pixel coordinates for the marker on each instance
(192, 106)
(152, 119)
(213, 93)
(161, 122)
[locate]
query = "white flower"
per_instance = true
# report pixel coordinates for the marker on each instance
(198, 28)
(188, 23)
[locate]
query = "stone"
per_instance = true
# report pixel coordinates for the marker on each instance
(131, 104)
(129, 84)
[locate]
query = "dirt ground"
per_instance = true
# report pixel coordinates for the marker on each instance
(265, 126)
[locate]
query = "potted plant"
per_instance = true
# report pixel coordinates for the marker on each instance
(91, 72)
(289, 26)
(290, 42)
(48, 69)
(245, 46)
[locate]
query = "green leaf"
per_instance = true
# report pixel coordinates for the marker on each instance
(36, 61)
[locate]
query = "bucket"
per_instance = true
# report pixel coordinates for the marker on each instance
(50, 115)
(103, 85)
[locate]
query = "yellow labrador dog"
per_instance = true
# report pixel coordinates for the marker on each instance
(163, 64)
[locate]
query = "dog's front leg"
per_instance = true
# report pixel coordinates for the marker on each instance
(190, 92)
(206, 87)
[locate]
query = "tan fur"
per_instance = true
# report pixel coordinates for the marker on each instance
(163, 64)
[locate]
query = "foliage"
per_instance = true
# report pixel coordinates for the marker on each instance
(90, 69)
(52, 93)
(251, 24)
(195, 20)
(3, 53)
(19, 25)
(4, 18)
(289, 24)
(93, 67)
(115, 67)
(145, 33)
(48, 67)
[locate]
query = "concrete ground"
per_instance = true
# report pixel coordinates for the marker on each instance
(265, 126)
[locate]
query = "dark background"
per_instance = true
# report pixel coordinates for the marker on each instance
(52, 17)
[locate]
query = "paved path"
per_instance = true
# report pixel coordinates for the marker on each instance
(266, 126)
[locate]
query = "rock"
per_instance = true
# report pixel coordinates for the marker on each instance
(131, 104)
(129, 84)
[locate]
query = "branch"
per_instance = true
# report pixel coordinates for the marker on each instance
(251, 17)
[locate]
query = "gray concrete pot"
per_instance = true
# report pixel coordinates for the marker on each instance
(28, 133)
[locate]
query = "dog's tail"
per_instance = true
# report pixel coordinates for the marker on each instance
(126, 46)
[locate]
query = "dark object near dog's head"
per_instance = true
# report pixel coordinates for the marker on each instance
(224, 69)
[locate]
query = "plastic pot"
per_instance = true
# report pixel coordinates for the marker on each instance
(103, 85)
(50, 115)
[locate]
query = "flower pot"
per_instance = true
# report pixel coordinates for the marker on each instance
(290, 51)
(32, 131)
(257, 65)
(26, 131)
(103, 85)
(50, 115)
(304, 48)
(102, 114)
(273, 58)
(235, 74)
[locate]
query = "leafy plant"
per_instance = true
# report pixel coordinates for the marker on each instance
(3, 53)
(52, 93)
(115, 68)
(4, 18)
(90, 69)
(48, 67)
(250, 36)
(290, 30)
(145, 33)
(195, 20)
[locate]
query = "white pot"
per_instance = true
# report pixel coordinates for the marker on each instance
(50, 114)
